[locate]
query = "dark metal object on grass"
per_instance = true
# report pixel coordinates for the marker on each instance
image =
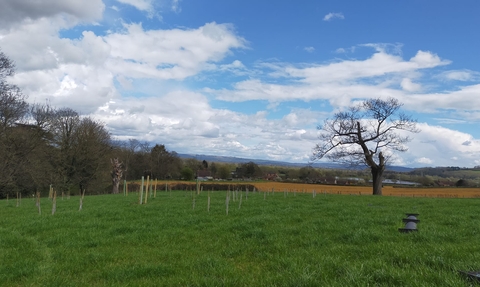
(473, 275)
(411, 223)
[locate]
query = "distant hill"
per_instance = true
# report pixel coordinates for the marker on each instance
(449, 171)
(231, 159)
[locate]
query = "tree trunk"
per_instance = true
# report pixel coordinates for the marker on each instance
(117, 173)
(116, 183)
(377, 178)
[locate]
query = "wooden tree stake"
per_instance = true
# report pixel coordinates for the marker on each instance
(82, 195)
(54, 202)
(38, 203)
(227, 199)
(146, 189)
(155, 192)
(140, 194)
(208, 203)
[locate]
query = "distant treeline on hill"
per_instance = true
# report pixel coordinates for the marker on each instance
(262, 162)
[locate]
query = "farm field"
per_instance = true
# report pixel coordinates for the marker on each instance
(367, 190)
(271, 239)
(447, 192)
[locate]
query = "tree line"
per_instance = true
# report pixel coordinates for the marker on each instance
(43, 146)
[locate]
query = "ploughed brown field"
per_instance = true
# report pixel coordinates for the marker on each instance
(367, 190)
(447, 192)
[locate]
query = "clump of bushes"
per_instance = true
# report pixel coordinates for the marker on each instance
(210, 186)
(463, 183)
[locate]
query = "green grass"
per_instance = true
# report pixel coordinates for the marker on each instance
(330, 240)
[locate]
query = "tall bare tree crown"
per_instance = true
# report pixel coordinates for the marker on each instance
(364, 130)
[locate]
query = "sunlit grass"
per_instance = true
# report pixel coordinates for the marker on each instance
(297, 240)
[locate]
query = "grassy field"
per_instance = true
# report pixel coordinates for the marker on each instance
(277, 239)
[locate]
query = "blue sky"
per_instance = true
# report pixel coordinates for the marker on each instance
(253, 78)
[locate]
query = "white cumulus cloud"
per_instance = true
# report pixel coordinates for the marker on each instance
(424, 160)
(461, 75)
(142, 5)
(331, 16)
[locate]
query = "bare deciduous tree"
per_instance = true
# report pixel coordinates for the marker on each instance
(65, 122)
(13, 106)
(117, 173)
(361, 133)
